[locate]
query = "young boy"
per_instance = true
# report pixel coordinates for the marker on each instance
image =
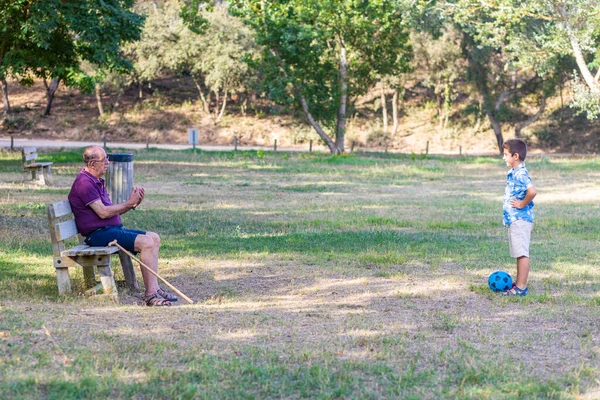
(518, 211)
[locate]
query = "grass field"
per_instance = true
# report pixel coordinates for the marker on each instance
(349, 277)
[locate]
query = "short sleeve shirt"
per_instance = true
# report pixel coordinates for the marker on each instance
(517, 183)
(87, 189)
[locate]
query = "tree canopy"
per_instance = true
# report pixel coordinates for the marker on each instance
(319, 55)
(50, 39)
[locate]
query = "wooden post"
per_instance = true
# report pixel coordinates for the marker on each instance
(89, 277)
(148, 142)
(47, 174)
(12, 143)
(107, 279)
(63, 280)
(310, 146)
(427, 148)
(129, 272)
(573, 151)
(105, 142)
(352, 147)
(275, 145)
(235, 142)
(460, 150)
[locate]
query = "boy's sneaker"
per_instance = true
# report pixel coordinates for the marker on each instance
(516, 291)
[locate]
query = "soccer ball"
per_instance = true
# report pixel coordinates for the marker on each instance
(500, 281)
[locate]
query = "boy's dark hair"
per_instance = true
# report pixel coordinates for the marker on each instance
(516, 146)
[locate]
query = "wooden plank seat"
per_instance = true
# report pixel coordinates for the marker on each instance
(61, 223)
(40, 171)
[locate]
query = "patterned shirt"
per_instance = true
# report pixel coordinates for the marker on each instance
(517, 183)
(85, 190)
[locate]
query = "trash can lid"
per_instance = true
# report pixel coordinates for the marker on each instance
(120, 157)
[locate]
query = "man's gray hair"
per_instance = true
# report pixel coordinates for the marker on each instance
(90, 154)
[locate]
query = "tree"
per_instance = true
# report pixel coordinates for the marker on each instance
(50, 39)
(541, 33)
(214, 57)
(439, 63)
(320, 55)
(207, 44)
(500, 67)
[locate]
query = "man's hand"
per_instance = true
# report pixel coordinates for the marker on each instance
(136, 196)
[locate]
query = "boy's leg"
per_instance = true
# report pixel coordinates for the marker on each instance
(522, 272)
(519, 233)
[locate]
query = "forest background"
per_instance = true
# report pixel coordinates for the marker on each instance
(446, 76)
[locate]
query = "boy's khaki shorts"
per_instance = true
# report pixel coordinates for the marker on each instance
(519, 236)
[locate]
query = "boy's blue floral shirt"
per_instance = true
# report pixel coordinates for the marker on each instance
(517, 183)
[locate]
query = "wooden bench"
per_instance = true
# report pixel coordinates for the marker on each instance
(40, 171)
(61, 223)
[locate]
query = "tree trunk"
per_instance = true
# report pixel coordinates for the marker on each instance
(583, 68)
(395, 112)
(50, 91)
(224, 105)
(478, 118)
(332, 146)
(201, 95)
(384, 112)
(5, 100)
(117, 102)
(216, 105)
(480, 78)
(496, 127)
(531, 119)
(340, 130)
(447, 103)
(99, 99)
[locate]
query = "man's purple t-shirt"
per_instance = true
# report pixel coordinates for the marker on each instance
(85, 190)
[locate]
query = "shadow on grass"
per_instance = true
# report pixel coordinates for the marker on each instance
(19, 279)
(338, 245)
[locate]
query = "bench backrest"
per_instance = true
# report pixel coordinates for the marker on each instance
(61, 223)
(29, 155)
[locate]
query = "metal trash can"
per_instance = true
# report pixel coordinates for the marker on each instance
(119, 176)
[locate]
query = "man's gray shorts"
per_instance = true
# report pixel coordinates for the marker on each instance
(519, 237)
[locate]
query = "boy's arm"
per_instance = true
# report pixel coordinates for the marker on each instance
(529, 195)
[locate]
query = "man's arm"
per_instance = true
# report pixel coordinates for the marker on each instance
(104, 212)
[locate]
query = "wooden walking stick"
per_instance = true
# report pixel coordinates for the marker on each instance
(114, 243)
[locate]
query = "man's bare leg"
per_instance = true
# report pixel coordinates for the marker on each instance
(148, 245)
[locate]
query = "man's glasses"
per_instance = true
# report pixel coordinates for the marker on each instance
(102, 160)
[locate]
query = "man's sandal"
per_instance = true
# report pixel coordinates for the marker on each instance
(166, 295)
(155, 300)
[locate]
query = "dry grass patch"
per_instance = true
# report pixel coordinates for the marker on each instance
(373, 288)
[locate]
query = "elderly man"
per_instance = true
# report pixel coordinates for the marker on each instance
(99, 220)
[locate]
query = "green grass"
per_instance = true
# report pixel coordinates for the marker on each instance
(360, 276)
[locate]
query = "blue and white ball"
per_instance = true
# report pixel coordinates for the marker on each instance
(500, 281)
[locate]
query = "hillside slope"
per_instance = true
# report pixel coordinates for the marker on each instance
(169, 108)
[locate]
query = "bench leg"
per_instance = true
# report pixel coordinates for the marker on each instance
(64, 280)
(48, 175)
(129, 272)
(37, 174)
(107, 279)
(89, 277)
